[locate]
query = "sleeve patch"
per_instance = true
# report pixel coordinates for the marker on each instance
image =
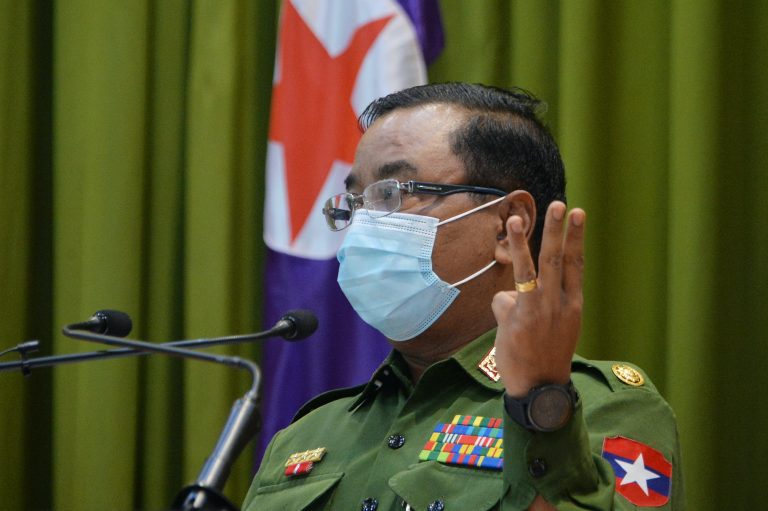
(643, 474)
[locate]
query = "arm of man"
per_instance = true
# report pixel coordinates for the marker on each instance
(620, 450)
(538, 329)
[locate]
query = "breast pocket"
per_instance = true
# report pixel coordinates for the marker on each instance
(430, 483)
(302, 494)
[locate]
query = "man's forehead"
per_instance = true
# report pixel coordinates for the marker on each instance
(405, 143)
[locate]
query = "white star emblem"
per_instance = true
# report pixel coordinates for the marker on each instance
(637, 473)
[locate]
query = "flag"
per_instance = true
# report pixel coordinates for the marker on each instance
(333, 58)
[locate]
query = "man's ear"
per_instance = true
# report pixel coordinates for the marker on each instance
(518, 203)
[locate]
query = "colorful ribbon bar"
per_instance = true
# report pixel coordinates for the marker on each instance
(468, 440)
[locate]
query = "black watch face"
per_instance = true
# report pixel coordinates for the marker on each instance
(550, 409)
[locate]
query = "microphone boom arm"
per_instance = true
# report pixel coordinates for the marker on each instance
(173, 349)
(31, 363)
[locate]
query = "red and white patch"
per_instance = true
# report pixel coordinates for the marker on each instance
(298, 469)
(643, 474)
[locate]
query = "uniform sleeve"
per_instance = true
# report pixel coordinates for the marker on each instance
(572, 469)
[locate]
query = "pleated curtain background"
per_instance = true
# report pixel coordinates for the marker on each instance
(132, 151)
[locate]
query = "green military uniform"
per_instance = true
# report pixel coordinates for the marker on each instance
(381, 451)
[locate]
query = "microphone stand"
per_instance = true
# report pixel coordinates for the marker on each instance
(241, 426)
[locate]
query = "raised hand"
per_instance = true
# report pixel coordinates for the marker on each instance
(539, 321)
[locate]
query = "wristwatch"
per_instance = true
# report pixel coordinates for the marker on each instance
(546, 408)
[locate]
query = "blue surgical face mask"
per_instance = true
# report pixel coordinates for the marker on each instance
(386, 272)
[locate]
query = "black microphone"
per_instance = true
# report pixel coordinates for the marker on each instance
(23, 348)
(297, 325)
(106, 322)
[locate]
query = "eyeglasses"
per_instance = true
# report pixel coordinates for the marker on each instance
(385, 197)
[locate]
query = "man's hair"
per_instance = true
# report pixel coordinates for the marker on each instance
(503, 143)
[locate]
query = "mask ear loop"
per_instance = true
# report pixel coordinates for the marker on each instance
(466, 213)
(476, 274)
(462, 215)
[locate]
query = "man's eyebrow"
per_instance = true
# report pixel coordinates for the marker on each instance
(350, 181)
(395, 169)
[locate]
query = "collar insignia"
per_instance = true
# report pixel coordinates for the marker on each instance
(488, 365)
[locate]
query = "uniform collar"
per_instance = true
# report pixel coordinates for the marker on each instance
(393, 371)
(477, 360)
(471, 359)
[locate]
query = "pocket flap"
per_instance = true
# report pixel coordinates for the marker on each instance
(462, 488)
(294, 495)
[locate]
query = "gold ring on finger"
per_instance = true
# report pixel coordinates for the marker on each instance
(526, 287)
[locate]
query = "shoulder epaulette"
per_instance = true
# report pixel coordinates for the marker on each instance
(617, 375)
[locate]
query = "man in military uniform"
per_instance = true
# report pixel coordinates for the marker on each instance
(459, 249)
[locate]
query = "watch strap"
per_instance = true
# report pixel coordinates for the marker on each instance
(519, 409)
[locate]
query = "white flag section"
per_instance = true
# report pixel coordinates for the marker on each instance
(334, 31)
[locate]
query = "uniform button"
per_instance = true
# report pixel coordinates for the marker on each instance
(369, 504)
(436, 506)
(537, 467)
(395, 441)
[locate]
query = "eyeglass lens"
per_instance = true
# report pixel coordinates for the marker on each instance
(380, 199)
(338, 211)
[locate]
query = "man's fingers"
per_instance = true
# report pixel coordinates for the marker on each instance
(561, 258)
(551, 252)
(573, 254)
(524, 269)
(503, 303)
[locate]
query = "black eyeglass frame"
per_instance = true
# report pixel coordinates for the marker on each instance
(443, 189)
(412, 186)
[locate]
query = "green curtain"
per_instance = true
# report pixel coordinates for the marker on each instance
(132, 143)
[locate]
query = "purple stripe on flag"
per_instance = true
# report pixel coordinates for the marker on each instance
(425, 16)
(343, 351)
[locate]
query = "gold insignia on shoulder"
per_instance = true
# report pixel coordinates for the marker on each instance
(628, 375)
(488, 365)
(313, 455)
